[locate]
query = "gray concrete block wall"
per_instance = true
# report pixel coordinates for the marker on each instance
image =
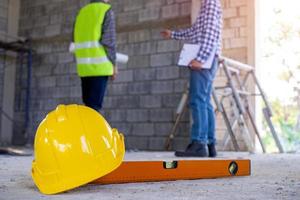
(142, 101)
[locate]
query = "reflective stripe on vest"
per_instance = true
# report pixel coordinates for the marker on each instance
(90, 55)
(87, 45)
(98, 60)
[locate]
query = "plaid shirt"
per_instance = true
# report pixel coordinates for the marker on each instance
(108, 39)
(206, 31)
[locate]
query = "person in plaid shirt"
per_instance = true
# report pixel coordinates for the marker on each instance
(206, 32)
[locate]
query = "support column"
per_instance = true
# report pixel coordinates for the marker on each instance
(196, 5)
(9, 76)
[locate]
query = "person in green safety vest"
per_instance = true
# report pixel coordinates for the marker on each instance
(95, 50)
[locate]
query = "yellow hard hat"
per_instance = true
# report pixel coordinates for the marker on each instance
(74, 145)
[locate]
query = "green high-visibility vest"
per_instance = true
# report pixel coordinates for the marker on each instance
(91, 57)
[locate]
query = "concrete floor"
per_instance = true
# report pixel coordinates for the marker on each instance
(274, 176)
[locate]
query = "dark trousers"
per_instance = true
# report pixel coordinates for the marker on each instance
(93, 91)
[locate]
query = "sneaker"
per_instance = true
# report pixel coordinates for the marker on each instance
(212, 152)
(194, 149)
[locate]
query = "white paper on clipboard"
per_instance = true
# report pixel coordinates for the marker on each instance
(190, 51)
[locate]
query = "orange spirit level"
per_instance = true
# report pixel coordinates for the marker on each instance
(151, 171)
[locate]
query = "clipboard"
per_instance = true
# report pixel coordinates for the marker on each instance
(190, 51)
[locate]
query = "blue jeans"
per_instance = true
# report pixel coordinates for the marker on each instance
(201, 82)
(93, 91)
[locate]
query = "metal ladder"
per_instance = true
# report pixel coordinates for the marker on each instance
(241, 118)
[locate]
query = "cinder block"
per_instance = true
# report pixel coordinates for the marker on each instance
(60, 47)
(238, 42)
(168, 46)
(148, 14)
(47, 81)
(124, 128)
(139, 36)
(139, 61)
(72, 8)
(162, 87)
(60, 69)
(143, 129)
(152, 3)
(122, 38)
(44, 48)
(235, 3)
(155, 34)
(157, 143)
(144, 74)
(150, 101)
(127, 49)
(128, 101)
(127, 18)
(117, 89)
(61, 92)
(230, 33)
(56, 18)
(146, 48)
(243, 32)
(130, 5)
(115, 115)
(41, 21)
(37, 32)
(243, 11)
(167, 73)
(136, 143)
(230, 12)
(161, 115)
(163, 129)
(124, 76)
(139, 88)
(238, 22)
(65, 58)
(171, 100)
(111, 102)
(170, 11)
(180, 86)
(43, 70)
(67, 29)
(158, 60)
(49, 104)
(137, 115)
(185, 8)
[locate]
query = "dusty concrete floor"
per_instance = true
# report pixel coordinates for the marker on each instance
(273, 177)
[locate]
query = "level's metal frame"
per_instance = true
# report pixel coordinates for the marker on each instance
(153, 171)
